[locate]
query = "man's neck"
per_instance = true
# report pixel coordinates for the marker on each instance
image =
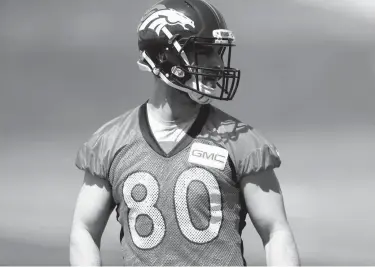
(170, 106)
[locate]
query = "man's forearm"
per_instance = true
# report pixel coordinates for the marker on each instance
(84, 250)
(281, 249)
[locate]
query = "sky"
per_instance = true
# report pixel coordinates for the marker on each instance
(308, 80)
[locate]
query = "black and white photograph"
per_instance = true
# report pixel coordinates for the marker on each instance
(187, 132)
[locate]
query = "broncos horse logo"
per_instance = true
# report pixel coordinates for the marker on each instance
(162, 17)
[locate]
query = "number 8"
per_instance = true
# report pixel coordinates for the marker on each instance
(147, 207)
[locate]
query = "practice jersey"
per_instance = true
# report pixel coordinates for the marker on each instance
(184, 207)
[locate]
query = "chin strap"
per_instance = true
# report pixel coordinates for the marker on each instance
(200, 99)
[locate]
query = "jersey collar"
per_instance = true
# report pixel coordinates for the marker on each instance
(192, 133)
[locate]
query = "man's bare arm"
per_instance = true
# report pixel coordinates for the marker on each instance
(266, 209)
(93, 208)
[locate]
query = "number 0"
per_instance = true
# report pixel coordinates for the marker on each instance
(182, 212)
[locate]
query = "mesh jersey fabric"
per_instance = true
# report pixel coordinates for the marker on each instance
(172, 211)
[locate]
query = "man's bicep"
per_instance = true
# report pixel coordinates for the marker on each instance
(264, 202)
(94, 205)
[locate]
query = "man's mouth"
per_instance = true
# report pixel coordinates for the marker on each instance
(211, 84)
(209, 81)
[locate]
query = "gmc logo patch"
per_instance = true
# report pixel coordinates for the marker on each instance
(207, 155)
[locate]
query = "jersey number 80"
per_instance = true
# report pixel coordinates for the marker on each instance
(147, 207)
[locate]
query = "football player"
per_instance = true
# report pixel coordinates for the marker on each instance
(181, 173)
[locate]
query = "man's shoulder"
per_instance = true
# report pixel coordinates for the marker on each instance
(95, 155)
(249, 148)
(233, 129)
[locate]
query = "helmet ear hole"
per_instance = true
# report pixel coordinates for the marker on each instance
(161, 57)
(172, 57)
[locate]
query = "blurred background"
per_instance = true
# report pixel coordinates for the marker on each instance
(67, 67)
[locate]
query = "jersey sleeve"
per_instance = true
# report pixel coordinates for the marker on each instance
(96, 154)
(258, 154)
